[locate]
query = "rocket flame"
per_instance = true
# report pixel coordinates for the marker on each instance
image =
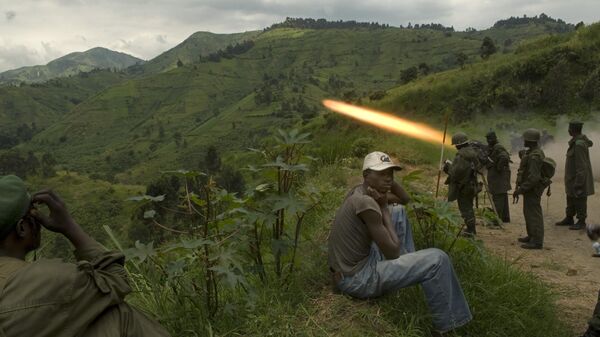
(386, 121)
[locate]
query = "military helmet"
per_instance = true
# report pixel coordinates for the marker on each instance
(531, 135)
(491, 135)
(459, 138)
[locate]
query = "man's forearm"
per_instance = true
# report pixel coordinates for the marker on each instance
(387, 223)
(398, 194)
(78, 237)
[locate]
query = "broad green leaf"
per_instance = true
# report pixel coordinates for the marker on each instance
(149, 214)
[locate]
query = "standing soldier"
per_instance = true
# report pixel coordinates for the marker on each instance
(498, 176)
(579, 180)
(531, 185)
(462, 180)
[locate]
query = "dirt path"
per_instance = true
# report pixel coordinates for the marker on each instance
(565, 263)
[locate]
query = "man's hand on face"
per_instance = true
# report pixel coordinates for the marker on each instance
(380, 198)
(59, 219)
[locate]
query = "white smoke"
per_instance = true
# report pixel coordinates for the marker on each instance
(558, 149)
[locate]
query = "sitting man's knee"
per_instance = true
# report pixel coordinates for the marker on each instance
(440, 255)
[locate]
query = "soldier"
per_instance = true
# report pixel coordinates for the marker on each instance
(579, 180)
(48, 298)
(498, 175)
(593, 330)
(462, 180)
(530, 184)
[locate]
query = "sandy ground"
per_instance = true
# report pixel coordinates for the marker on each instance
(565, 263)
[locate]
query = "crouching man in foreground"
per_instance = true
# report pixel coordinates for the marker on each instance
(371, 250)
(49, 298)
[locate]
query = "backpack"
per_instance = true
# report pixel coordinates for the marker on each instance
(547, 171)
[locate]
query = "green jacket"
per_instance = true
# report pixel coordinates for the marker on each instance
(579, 180)
(462, 174)
(529, 177)
(50, 298)
(498, 170)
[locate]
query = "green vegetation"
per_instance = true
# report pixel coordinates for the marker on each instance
(142, 155)
(69, 65)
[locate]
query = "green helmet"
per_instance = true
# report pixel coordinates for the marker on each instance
(459, 138)
(531, 135)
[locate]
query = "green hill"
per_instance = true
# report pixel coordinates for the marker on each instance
(70, 64)
(139, 126)
(546, 78)
(191, 49)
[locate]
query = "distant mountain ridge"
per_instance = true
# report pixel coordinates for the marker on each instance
(191, 49)
(70, 64)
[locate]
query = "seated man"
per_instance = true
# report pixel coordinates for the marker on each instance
(49, 298)
(371, 251)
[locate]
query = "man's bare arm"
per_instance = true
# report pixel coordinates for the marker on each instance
(398, 195)
(382, 232)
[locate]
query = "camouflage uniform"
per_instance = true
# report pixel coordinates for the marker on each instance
(498, 176)
(530, 185)
(462, 182)
(579, 180)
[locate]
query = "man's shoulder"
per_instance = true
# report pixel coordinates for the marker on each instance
(536, 154)
(499, 148)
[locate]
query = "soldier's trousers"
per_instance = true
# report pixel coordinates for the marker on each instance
(594, 322)
(577, 207)
(501, 204)
(465, 206)
(534, 218)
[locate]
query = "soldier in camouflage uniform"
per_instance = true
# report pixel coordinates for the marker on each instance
(498, 176)
(50, 298)
(462, 180)
(579, 180)
(593, 330)
(530, 185)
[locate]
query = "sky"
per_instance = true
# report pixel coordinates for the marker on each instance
(37, 31)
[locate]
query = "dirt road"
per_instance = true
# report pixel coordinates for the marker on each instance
(565, 263)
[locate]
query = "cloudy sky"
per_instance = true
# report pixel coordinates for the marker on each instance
(38, 31)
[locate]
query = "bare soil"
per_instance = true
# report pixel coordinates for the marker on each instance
(565, 263)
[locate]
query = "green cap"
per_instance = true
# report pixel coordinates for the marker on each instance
(14, 203)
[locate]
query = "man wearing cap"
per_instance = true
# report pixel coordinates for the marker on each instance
(531, 185)
(579, 180)
(49, 298)
(498, 175)
(462, 180)
(371, 251)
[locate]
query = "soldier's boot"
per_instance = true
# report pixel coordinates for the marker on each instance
(531, 245)
(591, 333)
(567, 221)
(579, 225)
(471, 230)
(524, 239)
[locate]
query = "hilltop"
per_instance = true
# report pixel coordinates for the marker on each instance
(70, 64)
(228, 97)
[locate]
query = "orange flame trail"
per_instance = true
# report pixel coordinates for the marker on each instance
(387, 121)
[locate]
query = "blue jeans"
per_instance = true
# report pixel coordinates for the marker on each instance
(429, 267)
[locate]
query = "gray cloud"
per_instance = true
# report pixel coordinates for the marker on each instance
(141, 27)
(161, 39)
(10, 15)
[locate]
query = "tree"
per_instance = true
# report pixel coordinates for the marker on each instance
(212, 160)
(488, 47)
(409, 74)
(461, 59)
(424, 68)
